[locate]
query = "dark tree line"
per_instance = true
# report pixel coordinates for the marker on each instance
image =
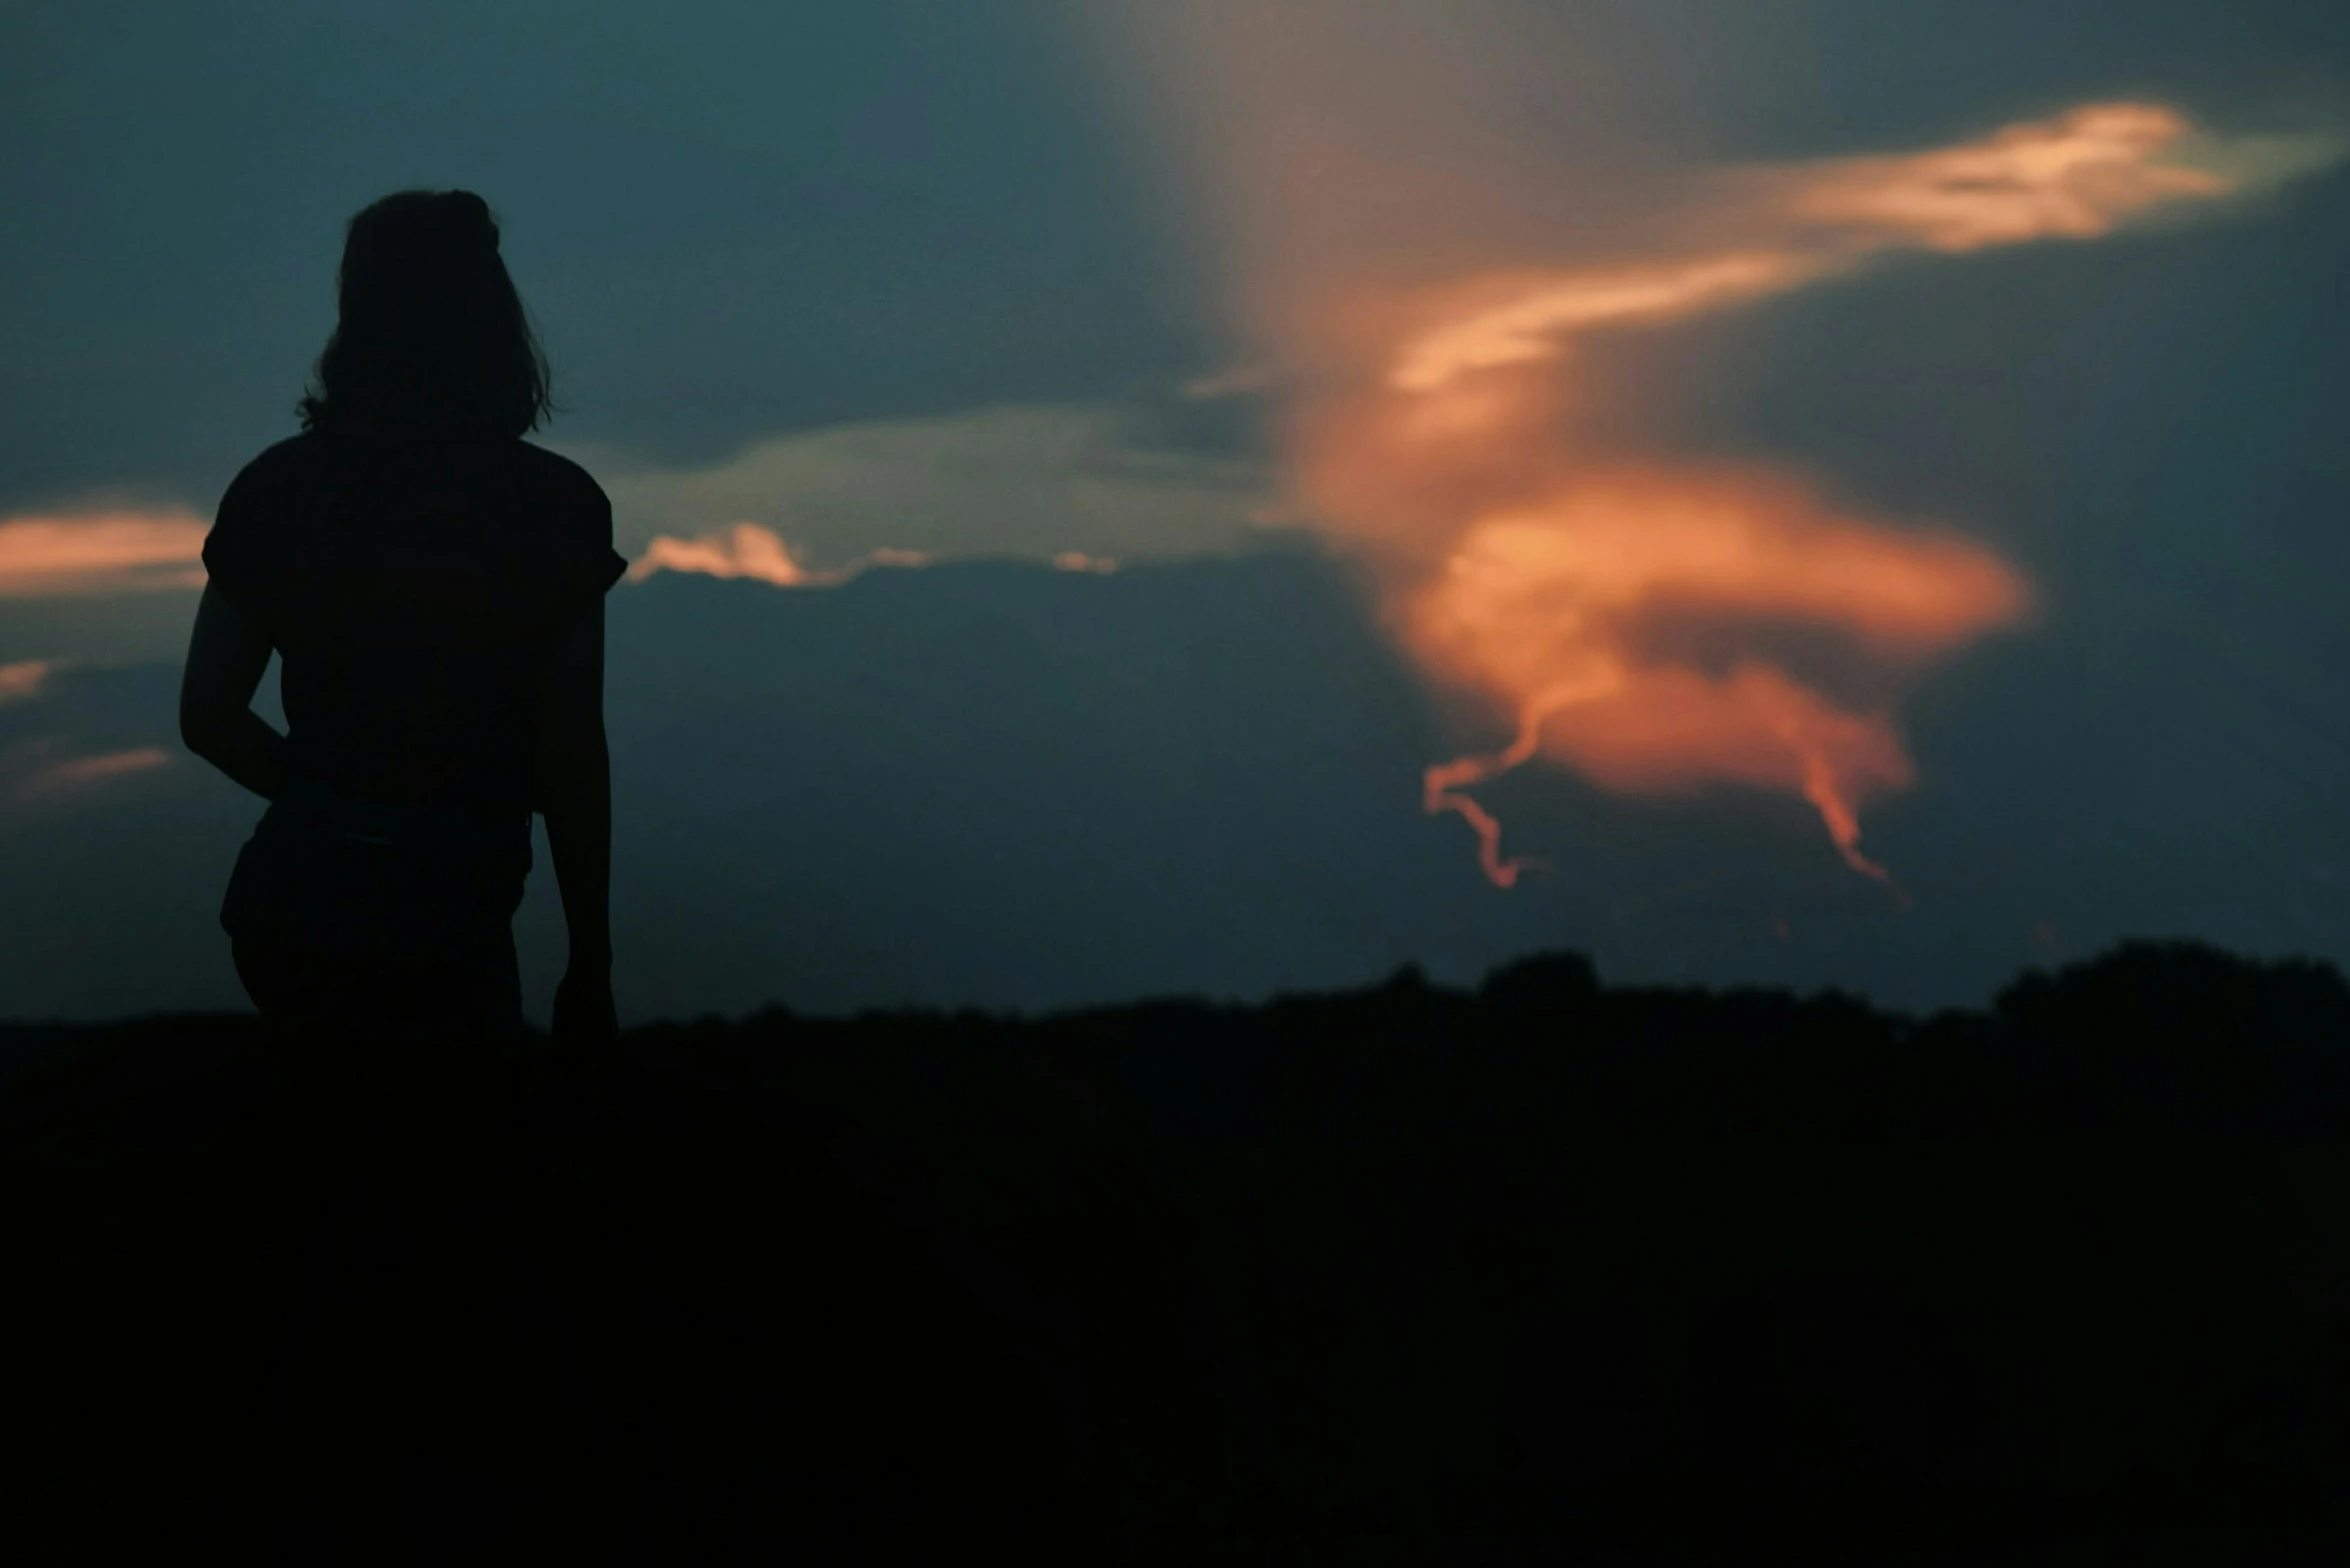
(1547, 1271)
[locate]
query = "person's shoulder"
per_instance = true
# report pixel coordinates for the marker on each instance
(275, 465)
(581, 519)
(574, 503)
(282, 454)
(244, 548)
(261, 489)
(562, 476)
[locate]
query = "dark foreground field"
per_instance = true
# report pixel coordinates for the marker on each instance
(1543, 1273)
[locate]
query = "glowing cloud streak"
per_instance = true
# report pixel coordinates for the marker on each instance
(1413, 254)
(1532, 566)
(100, 552)
(747, 550)
(1425, 218)
(23, 680)
(1555, 574)
(31, 770)
(1550, 604)
(2075, 177)
(106, 765)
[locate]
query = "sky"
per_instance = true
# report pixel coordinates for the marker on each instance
(1860, 479)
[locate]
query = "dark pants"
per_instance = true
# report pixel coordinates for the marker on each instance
(402, 1071)
(366, 1283)
(393, 996)
(392, 1034)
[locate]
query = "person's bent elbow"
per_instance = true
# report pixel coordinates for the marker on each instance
(200, 730)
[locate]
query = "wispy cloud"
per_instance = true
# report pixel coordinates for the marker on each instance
(23, 680)
(1774, 229)
(1557, 606)
(39, 769)
(101, 552)
(1555, 573)
(1424, 250)
(1241, 382)
(747, 550)
(1030, 482)
(78, 771)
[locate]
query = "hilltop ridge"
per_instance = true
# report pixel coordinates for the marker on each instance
(1539, 1270)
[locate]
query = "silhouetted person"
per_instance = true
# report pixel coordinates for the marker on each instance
(434, 585)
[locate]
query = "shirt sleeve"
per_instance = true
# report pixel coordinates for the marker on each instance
(598, 565)
(585, 564)
(242, 554)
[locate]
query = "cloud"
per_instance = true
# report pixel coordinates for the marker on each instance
(1023, 481)
(747, 550)
(101, 552)
(1552, 563)
(23, 680)
(1230, 383)
(34, 770)
(1531, 325)
(1419, 237)
(1555, 606)
(2078, 176)
(77, 771)
(1543, 566)
(2251, 163)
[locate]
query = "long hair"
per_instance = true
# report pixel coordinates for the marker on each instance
(432, 335)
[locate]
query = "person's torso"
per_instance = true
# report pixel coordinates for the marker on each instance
(411, 587)
(416, 610)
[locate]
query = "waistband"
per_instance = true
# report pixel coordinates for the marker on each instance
(307, 805)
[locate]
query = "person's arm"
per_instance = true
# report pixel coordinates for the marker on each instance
(574, 792)
(226, 658)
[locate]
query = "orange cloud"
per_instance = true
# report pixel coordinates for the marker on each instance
(107, 765)
(2077, 176)
(1629, 606)
(1549, 606)
(35, 776)
(101, 552)
(747, 550)
(1529, 327)
(24, 679)
(2074, 177)
(1590, 560)
(1419, 213)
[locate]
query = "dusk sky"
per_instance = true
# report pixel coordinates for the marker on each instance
(1224, 495)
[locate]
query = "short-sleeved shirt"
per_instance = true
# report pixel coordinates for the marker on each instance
(412, 586)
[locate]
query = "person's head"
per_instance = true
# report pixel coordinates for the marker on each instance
(431, 334)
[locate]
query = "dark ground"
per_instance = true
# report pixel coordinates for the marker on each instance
(1544, 1273)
